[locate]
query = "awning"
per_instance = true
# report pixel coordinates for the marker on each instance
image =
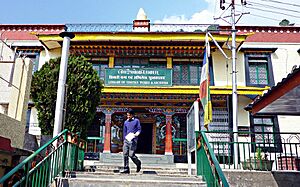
(282, 99)
(52, 41)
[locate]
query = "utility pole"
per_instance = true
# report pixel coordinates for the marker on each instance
(234, 86)
(59, 109)
(234, 77)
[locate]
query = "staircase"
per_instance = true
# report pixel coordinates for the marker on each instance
(152, 174)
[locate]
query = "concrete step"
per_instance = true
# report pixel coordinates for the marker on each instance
(146, 169)
(145, 158)
(166, 169)
(88, 179)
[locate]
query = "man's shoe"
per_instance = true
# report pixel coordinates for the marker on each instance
(138, 167)
(125, 171)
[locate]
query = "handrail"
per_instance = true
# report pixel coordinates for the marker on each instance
(264, 151)
(56, 162)
(19, 166)
(179, 139)
(213, 174)
(94, 138)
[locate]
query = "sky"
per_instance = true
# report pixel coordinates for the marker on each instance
(158, 11)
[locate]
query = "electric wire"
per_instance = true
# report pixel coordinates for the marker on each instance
(275, 12)
(273, 1)
(265, 10)
(270, 6)
(264, 17)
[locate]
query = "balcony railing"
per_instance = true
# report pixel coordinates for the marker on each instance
(257, 151)
(154, 27)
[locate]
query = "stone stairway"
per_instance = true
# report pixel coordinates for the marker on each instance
(145, 158)
(107, 174)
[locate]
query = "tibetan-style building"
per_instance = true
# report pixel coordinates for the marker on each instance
(155, 70)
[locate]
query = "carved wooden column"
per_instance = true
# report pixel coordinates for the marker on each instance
(107, 135)
(168, 140)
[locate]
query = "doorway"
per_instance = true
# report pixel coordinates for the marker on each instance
(145, 139)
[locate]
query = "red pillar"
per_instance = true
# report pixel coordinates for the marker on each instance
(169, 142)
(107, 133)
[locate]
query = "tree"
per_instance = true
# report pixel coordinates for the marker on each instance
(286, 22)
(83, 94)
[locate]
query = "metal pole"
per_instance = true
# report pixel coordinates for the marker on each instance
(61, 82)
(234, 86)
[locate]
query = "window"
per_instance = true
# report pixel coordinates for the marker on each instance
(99, 66)
(186, 74)
(4, 108)
(28, 114)
(139, 63)
(259, 70)
(34, 57)
(263, 128)
(265, 133)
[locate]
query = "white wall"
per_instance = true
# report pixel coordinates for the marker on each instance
(222, 73)
(46, 55)
(283, 59)
(243, 115)
(6, 71)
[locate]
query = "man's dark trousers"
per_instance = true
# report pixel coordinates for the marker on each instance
(129, 149)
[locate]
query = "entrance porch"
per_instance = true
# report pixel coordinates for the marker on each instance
(162, 117)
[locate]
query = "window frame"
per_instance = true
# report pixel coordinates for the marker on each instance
(99, 71)
(270, 75)
(200, 65)
(276, 136)
(181, 64)
(135, 63)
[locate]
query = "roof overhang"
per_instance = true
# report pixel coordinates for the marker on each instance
(282, 99)
(54, 40)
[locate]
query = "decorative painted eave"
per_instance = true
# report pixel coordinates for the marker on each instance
(139, 50)
(28, 31)
(54, 41)
(264, 29)
(269, 34)
(122, 36)
(184, 90)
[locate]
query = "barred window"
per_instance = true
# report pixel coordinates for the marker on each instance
(264, 131)
(259, 70)
(140, 63)
(186, 74)
(100, 69)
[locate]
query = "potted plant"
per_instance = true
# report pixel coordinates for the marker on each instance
(259, 162)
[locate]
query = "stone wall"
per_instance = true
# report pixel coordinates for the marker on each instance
(12, 129)
(243, 178)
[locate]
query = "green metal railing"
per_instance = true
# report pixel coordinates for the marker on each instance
(48, 162)
(263, 151)
(179, 146)
(207, 163)
(94, 144)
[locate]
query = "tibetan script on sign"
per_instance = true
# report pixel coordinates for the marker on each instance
(138, 77)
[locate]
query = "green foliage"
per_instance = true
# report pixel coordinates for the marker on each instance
(284, 22)
(83, 94)
(260, 155)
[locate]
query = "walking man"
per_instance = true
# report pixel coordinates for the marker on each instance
(131, 131)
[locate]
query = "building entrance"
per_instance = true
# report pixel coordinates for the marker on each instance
(145, 139)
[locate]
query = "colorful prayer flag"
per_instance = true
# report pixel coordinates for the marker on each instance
(204, 92)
